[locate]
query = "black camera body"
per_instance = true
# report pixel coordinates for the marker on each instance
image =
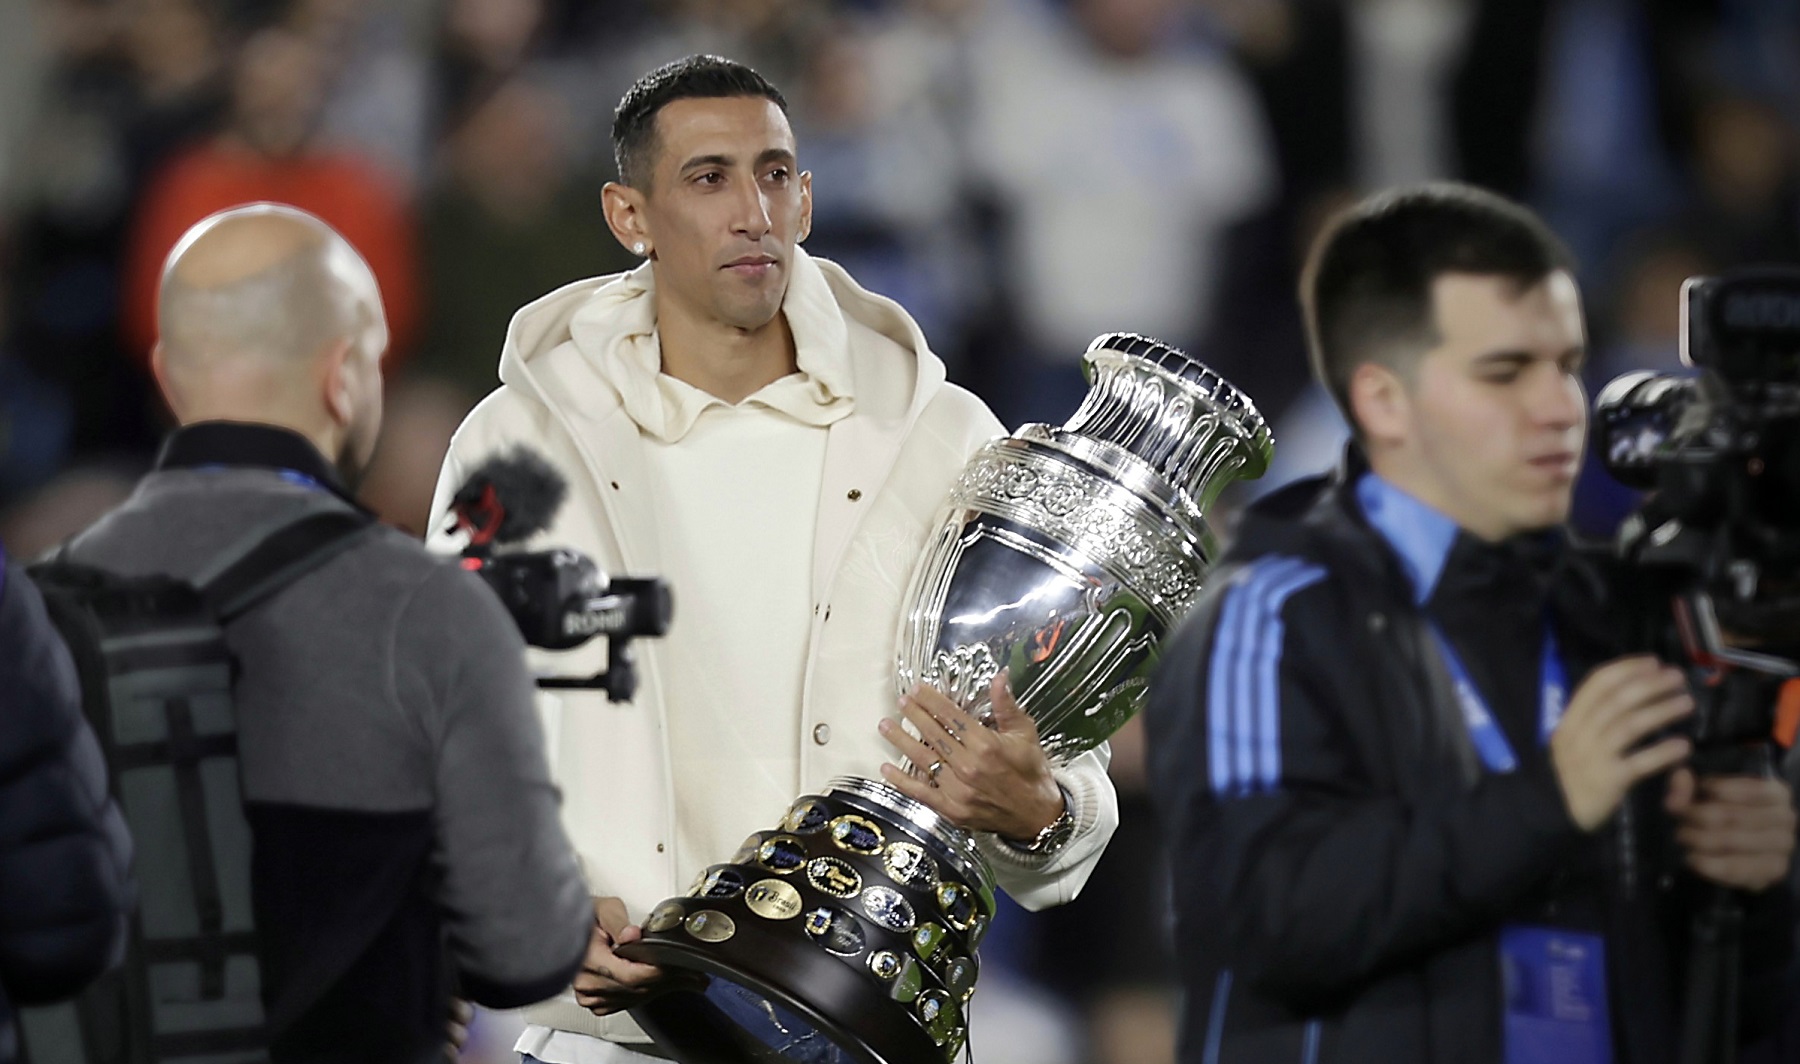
(1714, 551)
(560, 600)
(558, 597)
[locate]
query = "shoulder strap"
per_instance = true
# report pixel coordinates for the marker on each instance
(278, 559)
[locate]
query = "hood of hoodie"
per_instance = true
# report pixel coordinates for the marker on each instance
(585, 325)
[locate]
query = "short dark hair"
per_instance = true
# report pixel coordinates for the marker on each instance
(1366, 289)
(696, 77)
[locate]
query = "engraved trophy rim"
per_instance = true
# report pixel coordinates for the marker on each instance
(1131, 472)
(1212, 387)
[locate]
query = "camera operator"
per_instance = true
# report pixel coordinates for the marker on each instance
(404, 828)
(1420, 808)
(748, 422)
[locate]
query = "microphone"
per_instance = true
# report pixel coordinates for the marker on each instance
(558, 597)
(510, 497)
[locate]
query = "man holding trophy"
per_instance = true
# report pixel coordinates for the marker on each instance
(749, 423)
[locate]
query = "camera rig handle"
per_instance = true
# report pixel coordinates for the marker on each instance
(619, 679)
(1734, 691)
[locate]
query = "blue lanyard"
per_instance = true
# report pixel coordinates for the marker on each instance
(1490, 742)
(292, 476)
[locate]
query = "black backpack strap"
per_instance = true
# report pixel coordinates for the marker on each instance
(281, 557)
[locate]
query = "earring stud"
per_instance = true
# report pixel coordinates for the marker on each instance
(638, 248)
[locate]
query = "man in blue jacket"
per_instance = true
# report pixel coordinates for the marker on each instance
(1422, 809)
(65, 890)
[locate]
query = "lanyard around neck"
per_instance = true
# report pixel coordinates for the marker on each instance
(1490, 742)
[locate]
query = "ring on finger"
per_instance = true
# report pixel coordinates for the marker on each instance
(931, 773)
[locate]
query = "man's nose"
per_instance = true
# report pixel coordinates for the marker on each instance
(753, 214)
(1559, 402)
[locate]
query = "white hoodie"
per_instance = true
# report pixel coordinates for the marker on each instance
(889, 466)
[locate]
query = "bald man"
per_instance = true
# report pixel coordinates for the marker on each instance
(406, 837)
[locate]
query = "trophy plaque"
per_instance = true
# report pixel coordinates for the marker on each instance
(848, 932)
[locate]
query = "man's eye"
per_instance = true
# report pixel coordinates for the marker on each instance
(778, 175)
(710, 177)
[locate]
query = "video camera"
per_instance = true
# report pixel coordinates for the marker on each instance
(1716, 546)
(1714, 556)
(558, 597)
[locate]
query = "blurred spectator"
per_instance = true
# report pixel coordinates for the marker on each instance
(1300, 57)
(1748, 208)
(481, 42)
(509, 223)
(268, 153)
(1404, 55)
(888, 188)
(176, 54)
(1582, 107)
(1601, 162)
(125, 82)
(378, 100)
(1122, 155)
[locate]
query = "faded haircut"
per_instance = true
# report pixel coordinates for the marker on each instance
(1366, 291)
(707, 77)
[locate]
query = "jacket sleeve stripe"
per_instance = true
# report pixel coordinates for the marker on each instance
(1243, 682)
(1219, 700)
(1255, 706)
(1269, 676)
(1215, 1020)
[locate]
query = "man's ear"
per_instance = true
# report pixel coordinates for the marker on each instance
(624, 210)
(159, 369)
(338, 382)
(1380, 404)
(806, 204)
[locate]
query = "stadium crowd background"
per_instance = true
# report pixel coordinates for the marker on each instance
(1021, 174)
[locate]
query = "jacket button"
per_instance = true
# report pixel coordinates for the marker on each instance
(855, 494)
(821, 734)
(659, 847)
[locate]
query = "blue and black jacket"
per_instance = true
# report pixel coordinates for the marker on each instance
(1342, 859)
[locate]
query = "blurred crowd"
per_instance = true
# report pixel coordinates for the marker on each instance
(1021, 174)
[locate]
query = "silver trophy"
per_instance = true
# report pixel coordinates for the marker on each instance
(1064, 556)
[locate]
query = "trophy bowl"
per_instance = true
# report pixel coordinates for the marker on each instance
(848, 933)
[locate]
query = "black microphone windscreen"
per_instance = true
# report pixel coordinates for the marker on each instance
(527, 487)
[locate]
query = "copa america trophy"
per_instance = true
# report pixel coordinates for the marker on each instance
(1064, 555)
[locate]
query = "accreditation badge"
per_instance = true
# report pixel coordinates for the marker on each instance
(1554, 981)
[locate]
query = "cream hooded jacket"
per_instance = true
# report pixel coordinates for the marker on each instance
(889, 467)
